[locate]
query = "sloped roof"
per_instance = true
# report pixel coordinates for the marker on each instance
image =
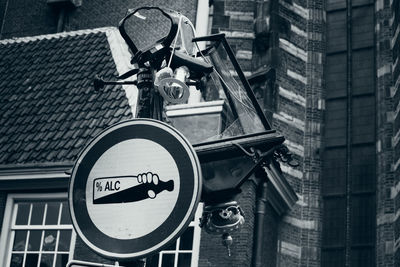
(48, 107)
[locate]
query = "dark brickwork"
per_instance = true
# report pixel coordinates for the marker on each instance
(285, 45)
(27, 18)
(385, 241)
(299, 117)
(235, 19)
(100, 13)
(31, 17)
(394, 24)
(213, 253)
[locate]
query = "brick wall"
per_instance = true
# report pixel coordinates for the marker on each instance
(235, 19)
(213, 253)
(299, 116)
(385, 155)
(292, 44)
(27, 18)
(35, 17)
(395, 110)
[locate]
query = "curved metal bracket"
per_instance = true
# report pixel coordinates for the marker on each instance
(165, 42)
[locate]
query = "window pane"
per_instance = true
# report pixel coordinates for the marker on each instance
(23, 214)
(153, 261)
(49, 241)
(335, 4)
(19, 240)
(335, 128)
(52, 213)
(37, 213)
(363, 71)
(184, 259)
(363, 169)
(62, 260)
(16, 260)
(363, 114)
(171, 247)
(334, 218)
(336, 75)
(34, 240)
(333, 258)
(362, 30)
(334, 173)
(65, 239)
(65, 217)
(363, 220)
(168, 260)
(363, 257)
(336, 31)
(37, 239)
(46, 260)
(187, 239)
(31, 260)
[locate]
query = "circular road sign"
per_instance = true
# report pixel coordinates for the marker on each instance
(134, 189)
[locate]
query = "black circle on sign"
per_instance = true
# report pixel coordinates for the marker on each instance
(185, 206)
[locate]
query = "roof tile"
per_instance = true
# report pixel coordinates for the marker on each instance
(48, 107)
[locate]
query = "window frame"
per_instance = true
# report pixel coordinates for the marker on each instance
(195, 243)
(7, 234)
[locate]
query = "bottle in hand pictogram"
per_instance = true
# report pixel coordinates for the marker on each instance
(123, 189)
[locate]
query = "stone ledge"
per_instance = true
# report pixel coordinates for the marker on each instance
(290, 171)
(303, 224)
(290, 120)
(299, 10)
(295, 148)
(297, 76)
(291, 96)
(244, 54)
(298, 31)
(394, 190)
(292, 49)
(238, 15)
(290, 249)
(393, 42)
(238, 34)
(386, 69)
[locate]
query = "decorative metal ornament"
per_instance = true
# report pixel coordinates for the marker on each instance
(227, 241)
(222, 218)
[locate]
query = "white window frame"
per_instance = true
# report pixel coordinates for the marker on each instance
(195, 243)
(6, 234)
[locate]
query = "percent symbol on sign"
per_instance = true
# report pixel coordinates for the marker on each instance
(98, 186)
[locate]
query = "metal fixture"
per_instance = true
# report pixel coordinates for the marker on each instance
(166, 65)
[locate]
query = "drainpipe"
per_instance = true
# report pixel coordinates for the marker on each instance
(259, 215)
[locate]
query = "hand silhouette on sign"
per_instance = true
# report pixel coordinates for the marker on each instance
(149, 178)
(145, 186)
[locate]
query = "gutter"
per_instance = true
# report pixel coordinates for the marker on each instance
(35, 170)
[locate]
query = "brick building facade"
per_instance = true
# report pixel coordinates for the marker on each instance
(326, 74)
